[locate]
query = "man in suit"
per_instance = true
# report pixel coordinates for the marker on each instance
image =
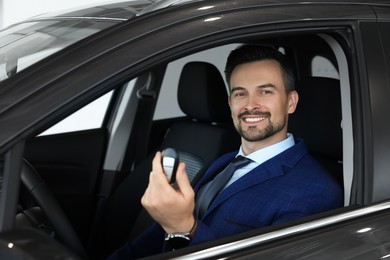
(280, 182)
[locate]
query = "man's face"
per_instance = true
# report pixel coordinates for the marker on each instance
(259, 103)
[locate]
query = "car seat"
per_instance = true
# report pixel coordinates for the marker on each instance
(207, 133)
(317, 120)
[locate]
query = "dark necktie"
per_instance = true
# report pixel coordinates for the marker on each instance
(210, 190)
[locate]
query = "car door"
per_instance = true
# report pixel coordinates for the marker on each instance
(70, 161)
(134, 55)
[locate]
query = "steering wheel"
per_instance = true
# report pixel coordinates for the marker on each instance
(50, 207)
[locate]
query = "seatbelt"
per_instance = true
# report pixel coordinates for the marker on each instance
(139, 140)
(111, 179)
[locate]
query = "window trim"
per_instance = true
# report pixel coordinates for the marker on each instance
(346, 110)
(9, 194)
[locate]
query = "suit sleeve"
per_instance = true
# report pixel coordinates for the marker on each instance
(203, 234)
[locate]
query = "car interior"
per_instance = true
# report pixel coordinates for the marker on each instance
(183, 104)
(199, 140)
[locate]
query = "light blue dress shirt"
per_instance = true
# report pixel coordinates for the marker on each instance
(260, 156)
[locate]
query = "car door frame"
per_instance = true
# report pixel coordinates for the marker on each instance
(229, 29)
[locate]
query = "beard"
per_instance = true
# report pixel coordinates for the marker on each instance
(253, 133)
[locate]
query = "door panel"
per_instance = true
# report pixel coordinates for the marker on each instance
(70, 164)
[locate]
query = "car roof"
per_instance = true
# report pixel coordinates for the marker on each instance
(111, 10)
(124, 10)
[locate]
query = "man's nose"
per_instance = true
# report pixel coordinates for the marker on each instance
(252, 103)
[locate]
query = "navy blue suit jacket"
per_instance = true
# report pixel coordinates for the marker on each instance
(286, 187)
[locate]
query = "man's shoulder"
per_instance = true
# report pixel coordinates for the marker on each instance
(309, 168)
(297, 159)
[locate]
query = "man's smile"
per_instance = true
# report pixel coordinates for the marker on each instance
(253, 119)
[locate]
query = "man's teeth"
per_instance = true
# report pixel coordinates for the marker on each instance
(253, 119)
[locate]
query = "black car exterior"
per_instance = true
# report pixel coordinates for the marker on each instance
(352, 35)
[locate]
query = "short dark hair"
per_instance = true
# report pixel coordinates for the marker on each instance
(251, 53)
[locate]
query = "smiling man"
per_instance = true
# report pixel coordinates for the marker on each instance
(271, 179)
(260, 103)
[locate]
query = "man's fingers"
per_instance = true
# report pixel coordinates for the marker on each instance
(156, 164)
(183, 182)
(157, 176)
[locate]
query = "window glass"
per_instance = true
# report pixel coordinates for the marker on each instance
(24, 44)
(89, 117)
(322, 67)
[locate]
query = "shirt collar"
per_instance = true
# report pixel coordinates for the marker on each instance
(268, 152)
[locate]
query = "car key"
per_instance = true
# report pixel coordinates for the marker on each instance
(170, 161)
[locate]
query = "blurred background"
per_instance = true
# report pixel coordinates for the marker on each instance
(13, 11)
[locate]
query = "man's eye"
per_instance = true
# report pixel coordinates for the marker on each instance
(265, 92)
(239, 94)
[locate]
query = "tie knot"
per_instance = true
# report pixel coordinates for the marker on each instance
(240, 161)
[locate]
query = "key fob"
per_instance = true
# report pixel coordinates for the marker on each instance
(170, 161)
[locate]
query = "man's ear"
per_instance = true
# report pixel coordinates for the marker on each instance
(293, 98)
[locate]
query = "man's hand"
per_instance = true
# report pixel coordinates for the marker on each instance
(171, 208)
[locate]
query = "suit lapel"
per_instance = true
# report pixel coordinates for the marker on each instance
(270, 169)
(215, 168)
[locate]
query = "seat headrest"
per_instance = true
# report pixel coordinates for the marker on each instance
(202, 93)
(317, 118)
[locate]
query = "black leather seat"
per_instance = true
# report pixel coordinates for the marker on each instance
(317, 120)
(207, 133)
